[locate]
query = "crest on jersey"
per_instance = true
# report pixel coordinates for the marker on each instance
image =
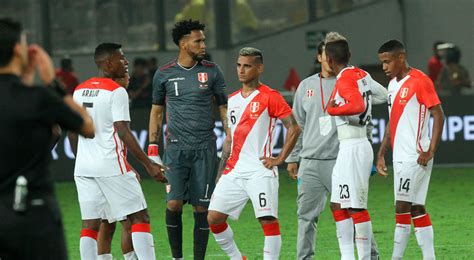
(309, 93)
(254, 107)
(202, 77)
(404, 92)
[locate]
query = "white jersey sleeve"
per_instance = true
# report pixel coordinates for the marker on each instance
(120, 109)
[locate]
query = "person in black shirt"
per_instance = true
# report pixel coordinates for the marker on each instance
(31, 226)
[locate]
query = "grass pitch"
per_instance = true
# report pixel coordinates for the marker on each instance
(450, 203)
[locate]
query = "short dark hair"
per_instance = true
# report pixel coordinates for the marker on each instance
(338, 51)
(185, 27)
(10, 34)
(391, 46)
(253, 52)
(105, 49)
(320, 47)
(139, 62)
(66, 64)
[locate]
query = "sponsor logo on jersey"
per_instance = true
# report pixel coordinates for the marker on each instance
(309, 93)
(254, 107)
(202, 77)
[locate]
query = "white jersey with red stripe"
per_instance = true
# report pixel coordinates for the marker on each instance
(252, 120)
(105, 154)
(355, 79)
(409, 102)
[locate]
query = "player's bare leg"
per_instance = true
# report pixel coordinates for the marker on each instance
(104, 240)
(142, 238)
(344, 230)
(223, 234)
(271, 229)
(174, 227)
(126, 241)
(201, 232)
(88, 241)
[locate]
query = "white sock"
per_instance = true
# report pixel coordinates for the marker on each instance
(142, 241)
(130, 256)
(345, 233)
(271, 249)
(425, 236)
(402, 235)
(363, 239)
(363, 233)
(105, 257)
(225, 238)
(88, 248)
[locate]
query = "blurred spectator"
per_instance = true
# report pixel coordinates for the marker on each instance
(66, 75)
(139, 89)
(152, 66)
(435, 65)
(245, 21)
(196, 10)
(454, 77)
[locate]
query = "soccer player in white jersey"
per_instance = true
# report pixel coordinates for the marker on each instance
(351, 104)
(251, 172)
(412, 98)
(106, 184)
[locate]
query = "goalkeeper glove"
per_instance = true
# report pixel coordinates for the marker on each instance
(154, 155)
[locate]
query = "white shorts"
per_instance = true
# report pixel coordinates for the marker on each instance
(411, 181)
(232, 193)
(111, 197)
(350, 176)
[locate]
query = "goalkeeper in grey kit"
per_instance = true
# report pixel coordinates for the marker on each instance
(188, 86)
(316, 151)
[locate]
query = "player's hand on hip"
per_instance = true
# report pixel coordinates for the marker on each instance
(292, 170)
(333, 103)
(269, 162)
(381, 167)
(425, 157)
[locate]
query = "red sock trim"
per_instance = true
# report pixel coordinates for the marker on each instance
(85, 232)
(422, 221)
(340, 215)
(153, 150)
(360, 217)
(403, 218)
(141, 227)
(218, 228)
(272, 229)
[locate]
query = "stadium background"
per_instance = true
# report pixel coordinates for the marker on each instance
(287, 33)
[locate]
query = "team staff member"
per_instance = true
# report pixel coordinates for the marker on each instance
(187, 87)
(30, 226)
(316, 152)
(412, 99)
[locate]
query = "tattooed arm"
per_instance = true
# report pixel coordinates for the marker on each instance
(291, 137)
(156, 123)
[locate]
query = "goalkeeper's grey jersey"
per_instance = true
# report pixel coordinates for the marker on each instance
(188, 94)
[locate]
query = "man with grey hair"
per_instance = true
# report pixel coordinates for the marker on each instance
(247, 167)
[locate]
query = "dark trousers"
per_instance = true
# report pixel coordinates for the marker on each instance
(36, 233)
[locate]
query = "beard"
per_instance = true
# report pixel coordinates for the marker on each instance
(197, 57)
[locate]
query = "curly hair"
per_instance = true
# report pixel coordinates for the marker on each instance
(185, 27)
